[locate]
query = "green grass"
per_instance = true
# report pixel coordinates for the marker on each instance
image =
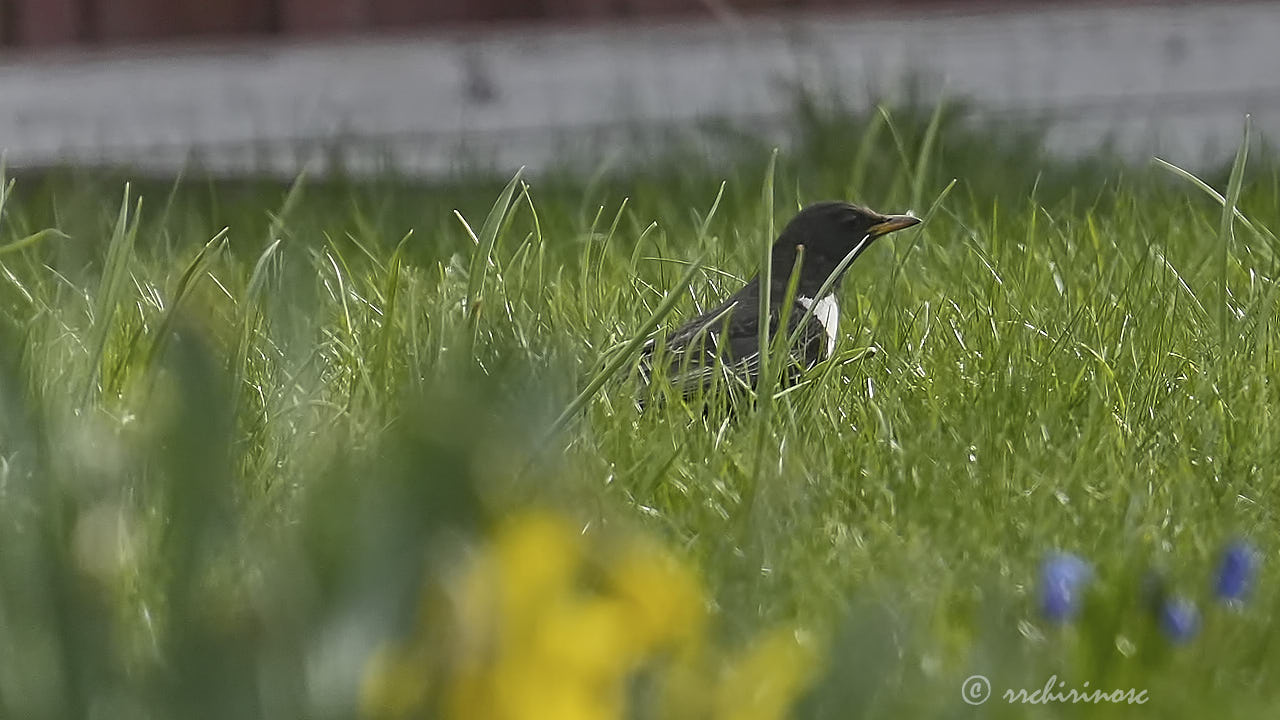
(242, 424)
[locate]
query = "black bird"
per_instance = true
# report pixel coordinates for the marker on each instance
(725, 340)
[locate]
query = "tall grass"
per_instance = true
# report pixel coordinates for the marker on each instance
(245, 440)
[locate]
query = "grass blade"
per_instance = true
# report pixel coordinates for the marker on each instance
(249, 317)
(194, 269)
(1208, 190)
(1226, 230)
(866, 148)
(766, 282)
(766, 382)
(628, 351)
(115, 272)
(391, 292)
(485, 241)
(926, 154)
(30, 240)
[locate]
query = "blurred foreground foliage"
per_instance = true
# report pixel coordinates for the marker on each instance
(406, 584)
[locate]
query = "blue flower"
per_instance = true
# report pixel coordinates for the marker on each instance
(1063, 577)
(1236, 572)
(1179, 619)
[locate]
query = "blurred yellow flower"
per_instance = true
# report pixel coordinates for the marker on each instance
(666, 597)
(762, 684)
(537, 558)
(543, 624)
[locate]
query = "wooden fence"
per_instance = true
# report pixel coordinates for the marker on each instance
(40, 23)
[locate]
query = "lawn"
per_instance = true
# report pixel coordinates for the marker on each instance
(332, 449)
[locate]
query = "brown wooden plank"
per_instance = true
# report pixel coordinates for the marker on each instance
(116, 21)
(222, 17)
(427, 13)
(660, 8)
(323, 16)
(579, 10)
(506, 10)
(45, 22)
(415, 13)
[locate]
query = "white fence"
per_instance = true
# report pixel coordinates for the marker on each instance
(1174, 80)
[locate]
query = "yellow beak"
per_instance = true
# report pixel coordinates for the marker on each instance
(891, 223)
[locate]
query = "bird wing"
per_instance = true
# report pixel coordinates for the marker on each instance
(690, 353)
(725, 341)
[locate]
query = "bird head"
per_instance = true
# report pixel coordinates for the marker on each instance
(829, 231)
